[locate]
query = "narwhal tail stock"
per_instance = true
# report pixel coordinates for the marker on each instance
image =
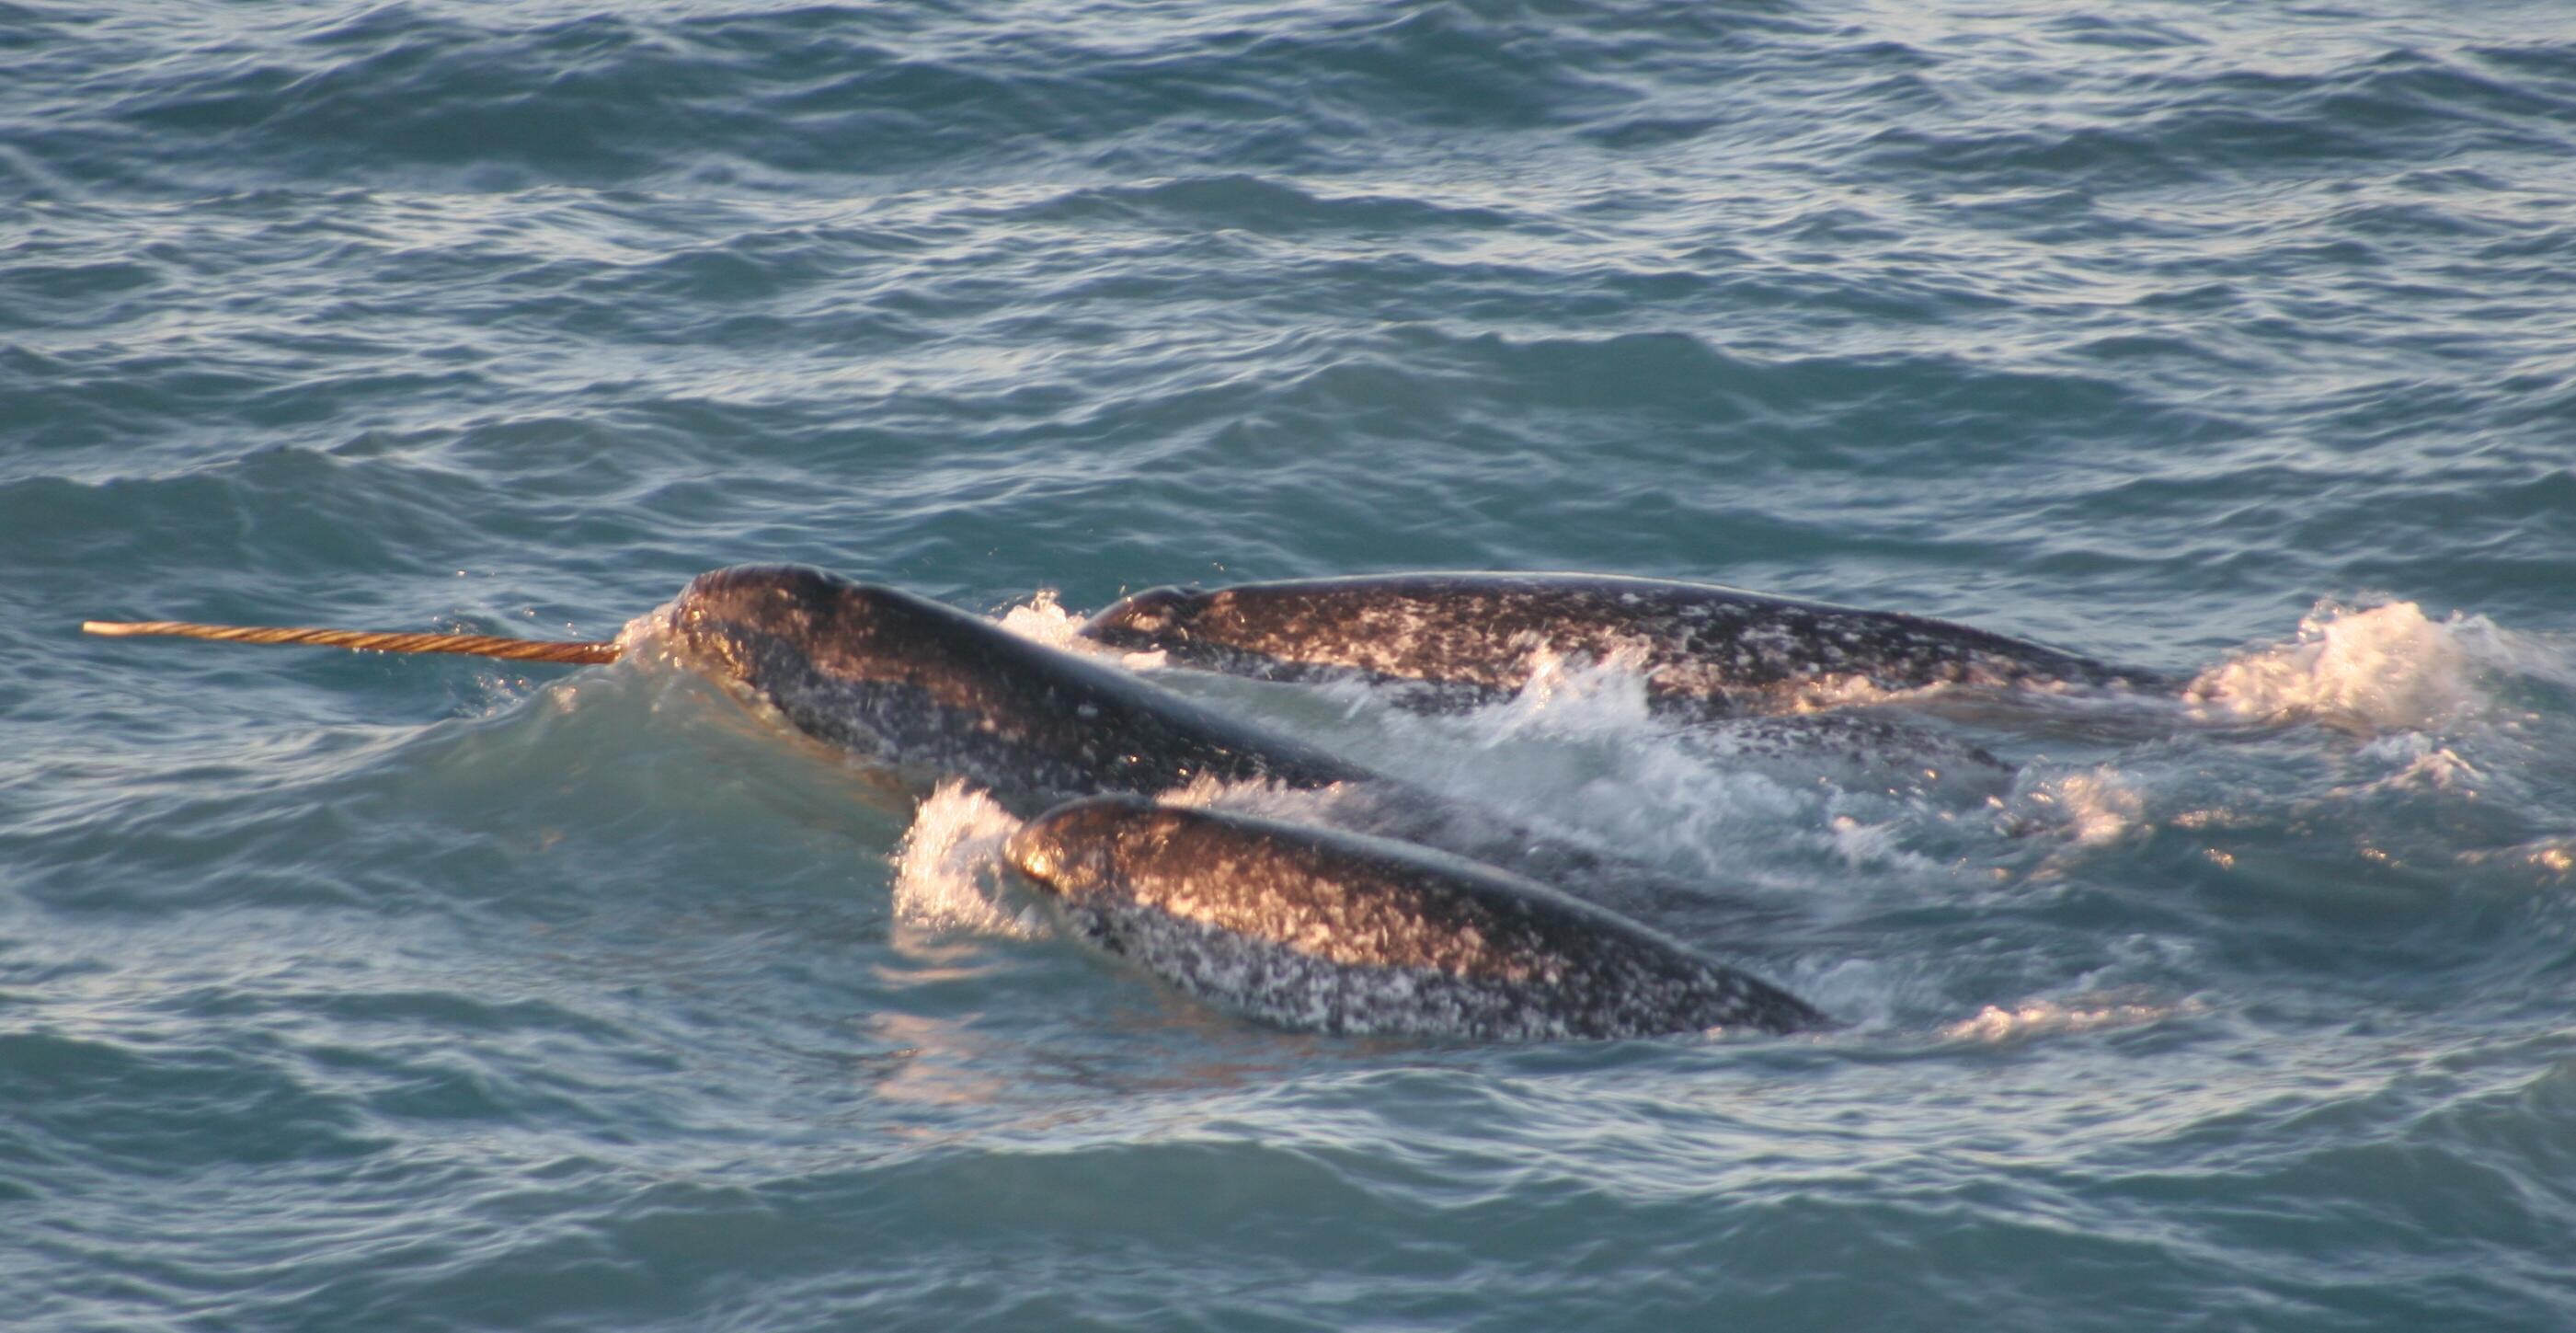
(471, 645)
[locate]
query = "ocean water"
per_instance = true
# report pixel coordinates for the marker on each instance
(352, 991)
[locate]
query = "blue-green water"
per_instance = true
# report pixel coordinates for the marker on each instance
(344, 991)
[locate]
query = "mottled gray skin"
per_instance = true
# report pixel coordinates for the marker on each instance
(1702, 648)
(1337, 933)
(930, 692)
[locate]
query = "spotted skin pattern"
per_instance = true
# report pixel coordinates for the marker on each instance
(1462, 638)
(1338, 933)
(931, 692)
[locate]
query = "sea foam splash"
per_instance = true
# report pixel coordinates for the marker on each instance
(1042, 620)
(949, 872)
(2384, 667)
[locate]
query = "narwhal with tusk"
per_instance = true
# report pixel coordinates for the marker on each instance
(918, 688)
(925, 692)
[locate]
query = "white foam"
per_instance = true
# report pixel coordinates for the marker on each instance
(2384, 667)
(949, 871)
(1571, 696)
(1042, 620)
(1580, 756)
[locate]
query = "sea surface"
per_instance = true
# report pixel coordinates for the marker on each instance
(352, 991)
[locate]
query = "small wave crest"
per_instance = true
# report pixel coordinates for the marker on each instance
(2554, 857)
(2036, 1018)
(2092, 807)
(2416, 762)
